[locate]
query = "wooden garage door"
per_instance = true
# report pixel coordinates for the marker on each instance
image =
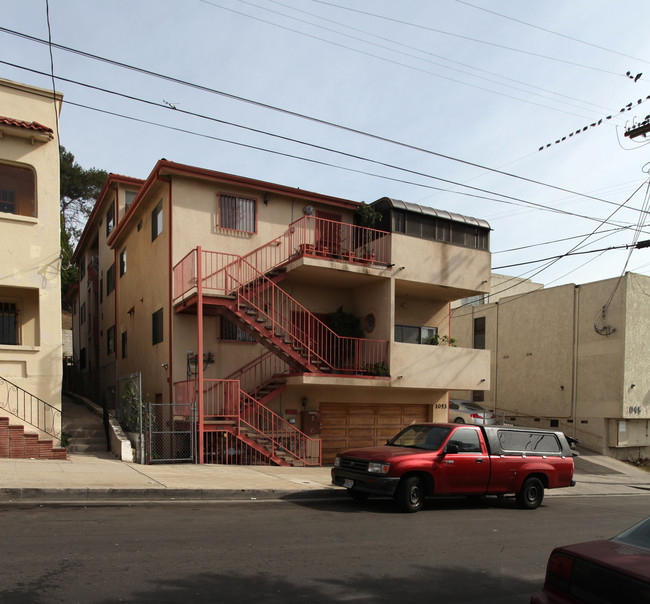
(348, 425)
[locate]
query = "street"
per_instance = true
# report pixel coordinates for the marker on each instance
(455, 550)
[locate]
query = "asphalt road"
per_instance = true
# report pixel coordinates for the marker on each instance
(454, 551)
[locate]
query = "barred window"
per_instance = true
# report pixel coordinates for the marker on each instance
(229, 332)
(237, 213)
(9, 332)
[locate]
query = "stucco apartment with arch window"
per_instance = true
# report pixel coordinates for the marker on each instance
(30, 296)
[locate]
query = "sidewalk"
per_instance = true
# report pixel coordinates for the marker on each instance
(102, 477)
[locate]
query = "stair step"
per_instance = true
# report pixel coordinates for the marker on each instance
(86, 448)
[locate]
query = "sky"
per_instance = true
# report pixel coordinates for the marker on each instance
(443, 103)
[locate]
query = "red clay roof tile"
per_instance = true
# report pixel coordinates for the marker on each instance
(8, 121)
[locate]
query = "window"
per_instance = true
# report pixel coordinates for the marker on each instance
(110, 340)
(473, 300)
(129, 196)
(101, 289)
(479, 333)
(122, 262)
(110, 280)
(157, 327)
(157, 221)
(467, 440)
(82, 270)
(17, 190)
(82, 314)
(520, 441)
(82, 358)
(110, 219)
(237, 213)
(124, 344)
(415, 334)
(229, 332)
(9, 323)
(440, 229)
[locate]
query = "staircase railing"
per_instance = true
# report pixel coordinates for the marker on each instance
(224, 402)
(30, 408)
(296, 325)
(283, 436)
(309, 236)
(258, 373)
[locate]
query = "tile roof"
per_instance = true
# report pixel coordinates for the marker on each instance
(8, 121)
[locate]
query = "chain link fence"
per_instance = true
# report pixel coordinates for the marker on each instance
(160, 432)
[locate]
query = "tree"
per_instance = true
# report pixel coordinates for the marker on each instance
(79, 191)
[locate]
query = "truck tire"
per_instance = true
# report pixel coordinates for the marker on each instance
(531, 494)
(410, 494)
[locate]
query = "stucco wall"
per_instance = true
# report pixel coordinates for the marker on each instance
(442, 264)
(31, 266)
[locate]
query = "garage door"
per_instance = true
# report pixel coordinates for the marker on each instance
(348, 425)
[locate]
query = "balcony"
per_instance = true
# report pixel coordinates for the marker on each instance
(439, 367)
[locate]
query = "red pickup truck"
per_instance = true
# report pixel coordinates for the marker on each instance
(451, 459)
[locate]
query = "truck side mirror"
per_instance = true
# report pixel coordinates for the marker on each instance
(451, 449)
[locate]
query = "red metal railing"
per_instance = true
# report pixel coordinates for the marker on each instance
(283, 436)
(325, 238)
(258, 373)
(225, 403)
(290, 321)
(311, 236)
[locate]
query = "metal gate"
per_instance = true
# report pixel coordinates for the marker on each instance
(171, 433)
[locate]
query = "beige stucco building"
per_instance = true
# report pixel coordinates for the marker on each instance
(572, 356)
(30, 291)
(250, 277)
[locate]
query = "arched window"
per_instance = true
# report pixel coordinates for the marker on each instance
(17, 190)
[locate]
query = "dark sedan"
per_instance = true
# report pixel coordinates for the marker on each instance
(600, 572)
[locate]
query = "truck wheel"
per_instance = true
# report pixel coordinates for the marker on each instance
(358, 495)
(410, 494)
(531, 494)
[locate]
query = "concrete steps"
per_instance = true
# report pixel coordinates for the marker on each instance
(84, 428)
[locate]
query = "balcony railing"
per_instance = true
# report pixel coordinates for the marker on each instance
(308, 236)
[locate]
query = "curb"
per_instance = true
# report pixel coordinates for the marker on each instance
(34, 495)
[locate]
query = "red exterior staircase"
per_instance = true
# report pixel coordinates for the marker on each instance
(245, 290)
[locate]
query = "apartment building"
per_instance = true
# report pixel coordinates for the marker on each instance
(268, 319)
(30, 291)
(571, 357)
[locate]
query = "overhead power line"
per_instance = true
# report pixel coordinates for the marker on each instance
(407, 54)
(471, 39)
(505, 198)
(550, 31)
(628, 246)
(302, 116)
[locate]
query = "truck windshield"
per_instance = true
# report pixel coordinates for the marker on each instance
(421, 437)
